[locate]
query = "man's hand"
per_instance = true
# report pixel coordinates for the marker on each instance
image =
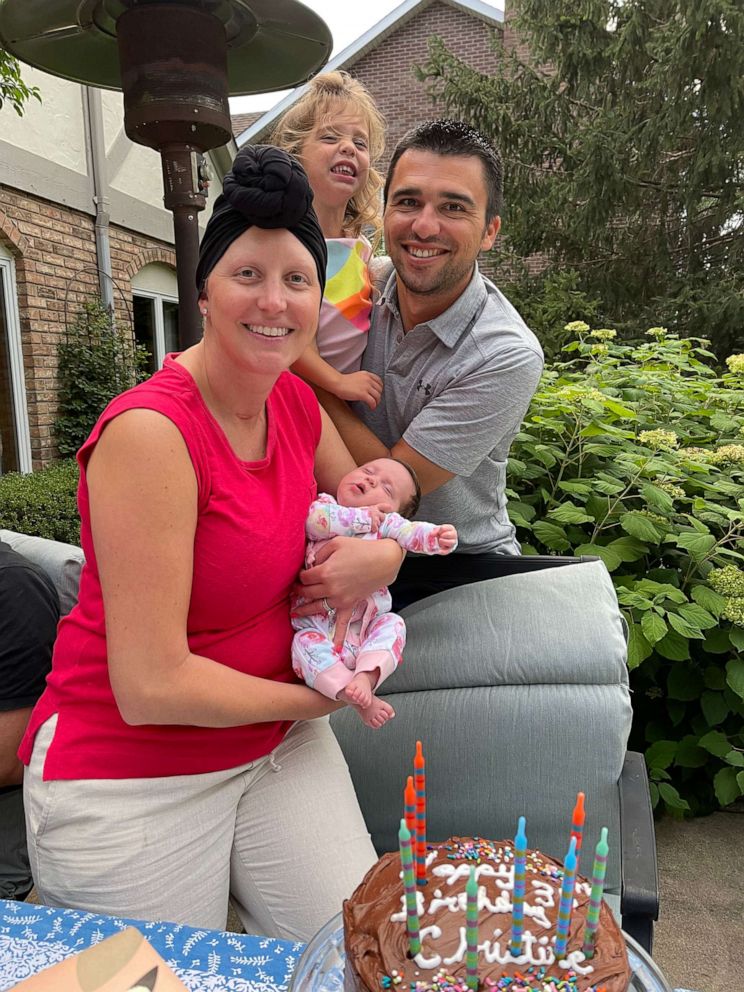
(446, 535)
(363, 386)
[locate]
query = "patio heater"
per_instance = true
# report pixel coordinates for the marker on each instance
(176, 63)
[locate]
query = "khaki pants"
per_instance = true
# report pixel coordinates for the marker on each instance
(282, 836)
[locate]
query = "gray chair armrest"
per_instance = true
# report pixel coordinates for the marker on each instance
(639, 894)
(62, 563)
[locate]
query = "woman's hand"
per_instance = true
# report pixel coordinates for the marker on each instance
(347, 570)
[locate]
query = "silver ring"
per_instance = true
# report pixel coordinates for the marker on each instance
(328, 608)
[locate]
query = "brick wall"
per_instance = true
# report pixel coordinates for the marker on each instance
(387, 70)
(55, 266)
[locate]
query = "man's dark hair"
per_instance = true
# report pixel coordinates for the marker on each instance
(408, 509)
(446, 137)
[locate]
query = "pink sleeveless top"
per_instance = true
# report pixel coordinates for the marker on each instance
(248, 548)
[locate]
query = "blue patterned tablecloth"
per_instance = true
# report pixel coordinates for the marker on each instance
(34, 937)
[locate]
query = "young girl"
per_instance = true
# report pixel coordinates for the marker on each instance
(337, 133)
(373, 502)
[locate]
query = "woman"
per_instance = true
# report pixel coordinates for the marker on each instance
(174, 758)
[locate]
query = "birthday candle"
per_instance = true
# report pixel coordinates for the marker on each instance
(577, 824)
(471, 931)
(419, 771)
(520, 868)
(409, 798)
(566, 903)
(409, 886)
(595, 899)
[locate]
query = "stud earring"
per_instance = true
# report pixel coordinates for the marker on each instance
(204, 311)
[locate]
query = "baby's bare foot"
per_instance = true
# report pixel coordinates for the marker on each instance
(359, 691)
(376, 714)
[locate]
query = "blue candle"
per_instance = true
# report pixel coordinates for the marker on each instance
(520, 870)
(566, 905)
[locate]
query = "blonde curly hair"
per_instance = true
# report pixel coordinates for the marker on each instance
(328, 95)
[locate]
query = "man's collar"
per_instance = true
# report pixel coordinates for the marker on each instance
(449, 325)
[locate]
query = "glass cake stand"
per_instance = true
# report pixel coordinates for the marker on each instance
(321, 967)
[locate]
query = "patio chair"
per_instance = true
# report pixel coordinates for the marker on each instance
(518, 689)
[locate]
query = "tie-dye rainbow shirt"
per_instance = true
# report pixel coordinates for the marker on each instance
(347, 304)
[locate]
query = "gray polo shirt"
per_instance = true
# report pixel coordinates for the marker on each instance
(456, 390)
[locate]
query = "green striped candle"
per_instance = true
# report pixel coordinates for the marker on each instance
(471, 931)
(595, 899)
(409, 886)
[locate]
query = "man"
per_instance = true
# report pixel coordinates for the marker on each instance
(29, 611)
(458, 363)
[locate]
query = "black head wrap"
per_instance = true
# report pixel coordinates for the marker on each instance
(267, 188)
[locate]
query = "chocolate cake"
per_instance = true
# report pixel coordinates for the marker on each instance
(376, 938)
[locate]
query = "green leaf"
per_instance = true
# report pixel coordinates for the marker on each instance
(637, 525)
(715, 742)
(657, 497)
(523, 509)
(708, 598)
(576, 488)
(735, 675)
(607, 487)
(654, 793)
(638, 647)
(740, 780)
(545, 455)
(653, 627)
(684, 682)
(690, 755)
(551, 535)
(736, 636)
(735, 758)
(628, 548)
(602, 551)
(698, 545)
(661, 754)
(683, 627)
(714, 706)
(568, 513)
(717, 641)
(672, 798)
(714, 676)
(673, 646)
(629, 598)
(726, 786)
(695, 615)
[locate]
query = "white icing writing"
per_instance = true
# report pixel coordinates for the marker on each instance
(535, 951)
(504, 874)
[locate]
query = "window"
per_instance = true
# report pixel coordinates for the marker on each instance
(15, 446)
(155, 311)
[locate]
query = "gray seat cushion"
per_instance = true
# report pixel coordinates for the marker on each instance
(518, 689)
(62, 563)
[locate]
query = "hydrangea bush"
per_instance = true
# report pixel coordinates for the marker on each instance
(635, 453)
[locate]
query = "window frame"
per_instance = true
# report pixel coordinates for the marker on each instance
(159, 299)
(18, 396)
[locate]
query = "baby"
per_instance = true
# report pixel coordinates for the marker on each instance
(367, 506)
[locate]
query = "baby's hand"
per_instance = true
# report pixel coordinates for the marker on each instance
(363, 386)
(447, 537)
(377, 515)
